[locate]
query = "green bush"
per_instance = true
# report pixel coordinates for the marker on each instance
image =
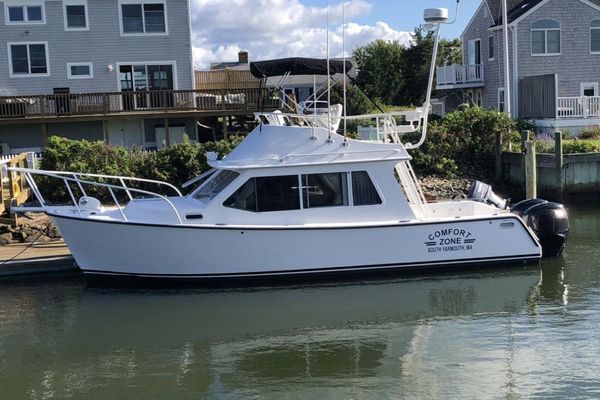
(175, 164)
(590, 132)
(465, 138)
(580, 146)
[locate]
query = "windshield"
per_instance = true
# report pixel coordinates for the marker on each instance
(211, 188)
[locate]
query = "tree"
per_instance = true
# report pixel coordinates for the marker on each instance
(416, 64)
(450, 52)
(357, 102)
(380, 70)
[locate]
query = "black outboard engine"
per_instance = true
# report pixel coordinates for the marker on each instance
(548, 220)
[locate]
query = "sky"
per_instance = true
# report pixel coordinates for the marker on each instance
(270, 29)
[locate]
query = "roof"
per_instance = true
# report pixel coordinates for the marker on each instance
(298, 66)
(271, 146)
(516, 9)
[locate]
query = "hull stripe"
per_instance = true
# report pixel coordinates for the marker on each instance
(466, 261)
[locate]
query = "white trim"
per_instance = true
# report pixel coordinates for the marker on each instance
(76, 3)
(483, 2)
(546, 30)
(173, 63)
(515, 75)
(75, 64)
(142, 2)
(587, 85)
(29, 75)
(24, 4)
(501, 90)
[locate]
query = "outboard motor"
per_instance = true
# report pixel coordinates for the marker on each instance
(483, 193)
(548, 220)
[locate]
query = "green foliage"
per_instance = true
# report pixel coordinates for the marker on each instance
(357, 102)
(379, 70)
(590, 132)
(450, 52)
(466, 137)
(580, 146)
(416, 63)
(175, 164)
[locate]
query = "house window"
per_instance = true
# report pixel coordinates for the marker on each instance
(76, 17)
(589, 89)
(24, 14)
(595, 36)
(80, 71)
(545, 37)
(363, 190)
(501, 100)
(28, 59)
(491, 47)
(325, 190)
(146, 18)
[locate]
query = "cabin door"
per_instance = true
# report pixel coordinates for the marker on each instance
(474, 67)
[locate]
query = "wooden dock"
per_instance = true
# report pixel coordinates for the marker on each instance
(37, 258)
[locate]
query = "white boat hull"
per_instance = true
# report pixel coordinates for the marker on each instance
(196, 251)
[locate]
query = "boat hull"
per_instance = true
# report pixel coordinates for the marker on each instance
(186, 251)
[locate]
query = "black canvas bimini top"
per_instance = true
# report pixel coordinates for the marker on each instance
(297, 66)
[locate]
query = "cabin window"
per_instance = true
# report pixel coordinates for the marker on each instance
(264, 194)
(24, 14)
(325, 190)
(143, 18)
(545, 37)
(75, 12)
(363, 190)
(491, 47)
(211, 188)
(27, 59)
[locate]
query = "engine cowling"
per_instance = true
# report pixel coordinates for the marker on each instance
(548, 220)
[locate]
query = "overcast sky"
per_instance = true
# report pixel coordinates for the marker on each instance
(285, 28)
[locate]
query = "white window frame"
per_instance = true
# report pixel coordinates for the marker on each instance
(142, 2)
(546, 30)
(502, 95)
(29, 75)
(589, 85)
(77, 64)
(24, 4)
(76, 3)
(592, 28)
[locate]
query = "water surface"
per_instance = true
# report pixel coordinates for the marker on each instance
(510, 332)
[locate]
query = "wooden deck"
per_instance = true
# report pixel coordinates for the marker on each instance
(155, 104)
(25, 258)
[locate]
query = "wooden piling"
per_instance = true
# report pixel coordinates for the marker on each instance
(558, 156)
(498, 156)
(530, 167)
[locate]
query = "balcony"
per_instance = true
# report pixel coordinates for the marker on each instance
(208, 102)
(459, 76)
(578, 107)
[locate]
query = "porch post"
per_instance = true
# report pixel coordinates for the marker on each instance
(167, 133)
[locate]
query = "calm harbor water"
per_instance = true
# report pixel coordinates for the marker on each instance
(510, 332)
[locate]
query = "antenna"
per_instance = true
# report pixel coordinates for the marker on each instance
(344, 61)
(328, 82)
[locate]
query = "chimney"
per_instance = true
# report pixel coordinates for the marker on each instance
(243, 57)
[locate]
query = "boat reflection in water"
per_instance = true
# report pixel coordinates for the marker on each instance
(372, 336)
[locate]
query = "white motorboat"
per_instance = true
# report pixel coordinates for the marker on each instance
(297, 198)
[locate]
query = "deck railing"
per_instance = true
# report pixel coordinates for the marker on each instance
(578, 107)
(106, 103)
(459, 74)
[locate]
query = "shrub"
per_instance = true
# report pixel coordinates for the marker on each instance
(174, 164)
(580, 146)
(466, 137)
(590, 132)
